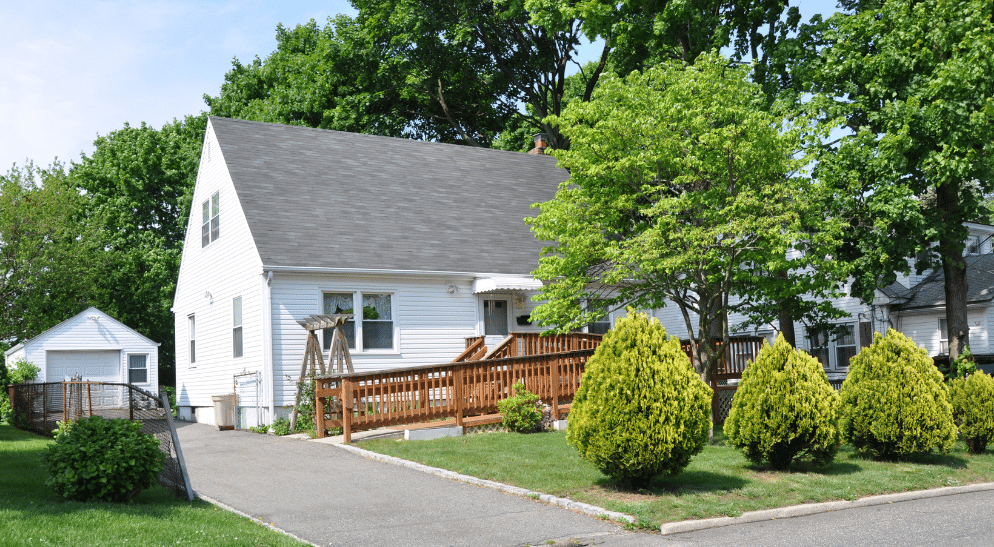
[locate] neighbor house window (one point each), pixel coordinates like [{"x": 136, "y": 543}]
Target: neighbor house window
[
  {"x": 377, "y": 321},
  {"x": 236, "y": 322},
  {"x": 972, "y": 246},
  {"x": 193, "y": 338},
  {"x": 339, "y": 302},
  {"x": 210, "y": 228},
  {"x": 943, "y": 337},
  {"x": 834, "y": 347},
  {"x": 138, "y": 369}
]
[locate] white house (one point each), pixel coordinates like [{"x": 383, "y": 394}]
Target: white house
[
  {"x": 423, "y": 242},
  {"x": 96, "y": 347}
]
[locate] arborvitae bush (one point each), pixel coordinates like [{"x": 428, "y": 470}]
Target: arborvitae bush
[
  {"x": 973, "y": 409},
  {"x": 894, "y": 402},
  {"x": 109, "y": 460},
  {"x": 641, "y": 410},
  {"x": 784, "y": 408}
]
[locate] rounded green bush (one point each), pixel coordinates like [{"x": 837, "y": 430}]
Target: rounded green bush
[
  {"x": 641, "y": 410},
  {"x": 109, "y": 460},
  {"x": 894, "y": 402},
  {"x": 522, "y": 412},
  {"x": 973, "y": 409},
  {"x": 784, "y": 408}
]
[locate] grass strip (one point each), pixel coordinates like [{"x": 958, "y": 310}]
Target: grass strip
[
  {"x": 718, "y": 482},
  {"x": 31, "y": 514}
]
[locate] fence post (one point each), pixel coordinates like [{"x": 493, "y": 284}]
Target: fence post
[
  {"x": 131, "y": 403},
  {"x": 347, "y": 410},
  {"x": 89, "y": 400},
  {"x": 44, "y": 406},
  {"x": 319, "y": 408},
  {"x": 457, "y": 388},
  {"x": 65, "y": 409}
]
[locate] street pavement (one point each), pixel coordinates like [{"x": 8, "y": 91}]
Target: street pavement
[{"x": 329, "y": 496}]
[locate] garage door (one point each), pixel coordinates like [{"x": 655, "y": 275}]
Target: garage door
[{"x": 95, "y": 366}]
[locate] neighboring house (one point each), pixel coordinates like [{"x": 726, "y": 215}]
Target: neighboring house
[
  {"x": 914, "y": 305},
  {"x": 423, "y": 242},
  {"x": 94, "y": 346}
]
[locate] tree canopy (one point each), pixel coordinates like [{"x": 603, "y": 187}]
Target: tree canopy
[
  {"x": 911, "y": 79},
  {"x": 683, "y": 188}
]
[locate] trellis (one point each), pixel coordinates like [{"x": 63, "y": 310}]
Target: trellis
[{"x": 313, "y": 363}]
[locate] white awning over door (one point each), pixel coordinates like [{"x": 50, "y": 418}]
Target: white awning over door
[{"x": 505, "y": 283}]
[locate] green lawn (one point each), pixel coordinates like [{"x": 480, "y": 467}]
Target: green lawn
[
  {"x": 31, "y": 514},
  {"x": 718, "y": 482}
]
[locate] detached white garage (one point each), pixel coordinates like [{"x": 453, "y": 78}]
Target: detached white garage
[{"x": 96, "y": 347}]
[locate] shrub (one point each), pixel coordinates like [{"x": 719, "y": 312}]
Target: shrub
[
  {"x": 894, "y": 402},
  {"x": 522, "y": 412},
  {"x": 641, "y": 410},
  {"x": 973, "y": 410},
  {"x": 281, "y": 427},
  {"x": 109, "y": 460},
  {"x": 23, "y": 371},
  {"x": 784, "y": 408}
]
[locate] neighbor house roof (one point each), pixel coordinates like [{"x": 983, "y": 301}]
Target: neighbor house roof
[
  {"x": 930, "y": 292},
  {"x": 316, "y": 198}
]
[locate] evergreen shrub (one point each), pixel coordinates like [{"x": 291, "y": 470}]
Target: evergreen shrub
[
  {"x": 641, "y": 410},
  {"x": 98, "y": 459},
  {"x": 522, "y": 412},
  {"x": 784, "y": 408},
  {"x": 973, "y": 409},
  {"x": 894, "y": 401}
]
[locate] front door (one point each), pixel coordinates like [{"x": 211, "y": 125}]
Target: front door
[{"x": 495, "y": 321}]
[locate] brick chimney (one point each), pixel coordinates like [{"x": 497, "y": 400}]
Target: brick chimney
[{"x": 541, "y": 143}]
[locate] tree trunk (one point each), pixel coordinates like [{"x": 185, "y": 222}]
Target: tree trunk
[
  {"x": 954, "y": 269},
  {"x": 787, "y": 328}
]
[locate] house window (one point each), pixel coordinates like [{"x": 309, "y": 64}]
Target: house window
[
  {"x": 210, "y": 228},
  {"x": 193, "y": 338},
  {"x": 336, "y": 302},
  {"x": 943, "y": 337},
  {"x": 377, "y": 321},
  {"x": 972, "y": 246},
  {"x": 495, "y": 318},
  {"x": 372, "y": 327},
  {"x": 832, "y": 349},
  {"x": 236, "y": 331},
  {"x": 602, "y": 325},
  {"x": 138, "y": 369}
]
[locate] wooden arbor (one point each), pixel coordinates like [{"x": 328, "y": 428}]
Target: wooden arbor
[{"x": 313, "y": 364}]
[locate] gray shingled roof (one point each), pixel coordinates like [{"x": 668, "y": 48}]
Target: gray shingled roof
[
  {"x": 931, "y": 291},
  {"x": 328, "y": 199}
]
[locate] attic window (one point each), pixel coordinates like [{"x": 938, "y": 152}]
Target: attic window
[{"x": 210, "y": 229}]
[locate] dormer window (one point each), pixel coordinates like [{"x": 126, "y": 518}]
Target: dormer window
[{"x": 210, "y": 229}]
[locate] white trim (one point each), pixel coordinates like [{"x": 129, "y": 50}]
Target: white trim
[{"x": 369, "y": 271}]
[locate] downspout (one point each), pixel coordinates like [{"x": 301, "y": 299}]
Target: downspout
[{"x": 267, "y": 343}]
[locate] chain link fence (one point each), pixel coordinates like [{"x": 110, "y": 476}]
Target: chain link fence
[{"x": 39, "y": 408}]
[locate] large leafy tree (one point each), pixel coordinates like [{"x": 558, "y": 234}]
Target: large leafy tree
[
  {"x": 912, "y": 81},
  {"x": 682, "y": 190},
  {"x": 139, "y": 182},
  {"x": 50, "y": 257}
]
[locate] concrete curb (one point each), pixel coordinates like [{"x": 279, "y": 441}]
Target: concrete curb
[
  {"x": 260, "y": 522},
  {"x": 585, "y": 508},
  {"x": 816, "y": 508}
]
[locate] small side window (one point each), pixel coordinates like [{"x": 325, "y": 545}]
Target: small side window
[
  {"x": 138, "y": 369},
  {"x": 236, "y": 332}
]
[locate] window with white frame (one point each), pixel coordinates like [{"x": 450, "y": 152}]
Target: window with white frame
[
  {"x": 943, "y": 337},
  {"x": 339, "y": 302},
  {"x": 972, "y": 246},
  {"x": 373, "y": 326},
  {"x": 211, "y": 225},
  {"x": 192, "y": 321},
  {"x": 603, "y": 324},
  {"x": 138, "y": 369},
  {"x": 834, "y": 349},
  {"x": 236, "y": 327}
]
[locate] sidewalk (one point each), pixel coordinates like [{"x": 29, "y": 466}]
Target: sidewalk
[{"x": 329, "y": 496}]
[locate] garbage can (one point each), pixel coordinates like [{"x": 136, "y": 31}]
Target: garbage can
[{"x": 224, "y": 410}]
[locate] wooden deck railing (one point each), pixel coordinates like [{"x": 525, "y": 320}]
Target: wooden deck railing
[{"x": 361, "y": 401}]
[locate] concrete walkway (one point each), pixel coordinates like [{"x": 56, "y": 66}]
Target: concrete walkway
[{"x": 329, "y": 496}]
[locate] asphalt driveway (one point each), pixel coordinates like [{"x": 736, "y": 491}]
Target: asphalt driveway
[{"x": 329, "y": 496}]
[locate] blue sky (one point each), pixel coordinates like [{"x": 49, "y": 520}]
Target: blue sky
[{"x": 75, "y": 70}]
